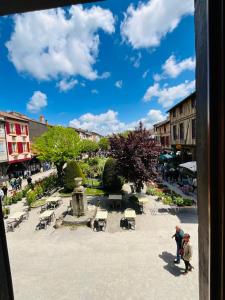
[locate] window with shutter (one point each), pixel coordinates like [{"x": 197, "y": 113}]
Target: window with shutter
[
  {"x": 10, "y": 148},
  {"x": 18, "y": 129},
  {"x": 20, "y": 147},
  {"x": 7, "y": 127}
]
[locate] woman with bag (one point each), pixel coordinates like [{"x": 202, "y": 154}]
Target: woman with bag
[{"x": 186, "y": 253}]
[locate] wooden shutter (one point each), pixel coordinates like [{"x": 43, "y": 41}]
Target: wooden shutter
[
  {"x": 26, "y": 130},
  {"x": 28, "y": 147},
  {"x": 18, "y": 129},
  {"x": 20, "y": 147},
  {"x": 10, "y": 148},
  {"x": 7, "y": 127}
]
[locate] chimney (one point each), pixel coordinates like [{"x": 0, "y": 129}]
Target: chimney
[{"x": 42, "y": 119}]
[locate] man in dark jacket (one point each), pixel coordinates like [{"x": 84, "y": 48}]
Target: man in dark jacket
[{"x": 178, "y": 235}]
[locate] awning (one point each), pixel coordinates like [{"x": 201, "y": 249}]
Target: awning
[{"x": 191, "y": 166}]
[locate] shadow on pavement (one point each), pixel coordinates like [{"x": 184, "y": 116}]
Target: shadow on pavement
[
  {"x": 190, "y": 217},
  {"x": 170, "y": 267}
]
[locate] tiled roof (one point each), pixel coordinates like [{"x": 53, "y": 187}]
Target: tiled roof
[
  {"x": 11, "y": 116},
  {"x": 185, "y": 99}
]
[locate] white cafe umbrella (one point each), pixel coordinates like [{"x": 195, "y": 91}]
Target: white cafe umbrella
[{"x": 191, "y": 165}]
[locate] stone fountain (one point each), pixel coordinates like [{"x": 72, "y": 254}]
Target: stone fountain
[
  {"x": 79, "y": 214},
  {"x": 79, "y": 200}
]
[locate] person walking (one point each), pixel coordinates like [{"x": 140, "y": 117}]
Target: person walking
[
  {"x": 5, "y": 189},
  {"x": 194, "y": 185},
  {"x": 20, "y": 180},
  {"x": 29, "y": 180},
  {"x": 178, "y": 235},
  {"x": 187, "y": 253}
]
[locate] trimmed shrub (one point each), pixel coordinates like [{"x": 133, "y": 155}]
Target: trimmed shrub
[
  {"x": 167, "y": 200},
  {"x": 31, "y": 197},
  {"x": 151, "y": 191},
  {"x": 188, "y": 202},
  {"x": 179, "y": 201},
  {"x": 39, "y": 191},
  {"x": 17, "y": 197},
  {"x": 25, "y": 190},
  {"x": 7, "y": 200},
  {"x": 71, "y": 171},
  {"x": 6, "y": 211},
  {"x": 112, "y": 182}
]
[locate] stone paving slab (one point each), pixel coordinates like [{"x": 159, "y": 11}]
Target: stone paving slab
[{"x": 81, "y": 264}]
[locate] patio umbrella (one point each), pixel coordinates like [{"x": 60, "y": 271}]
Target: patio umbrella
[{"x": 191, "y": 166}]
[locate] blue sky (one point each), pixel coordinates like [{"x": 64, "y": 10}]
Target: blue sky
[{"x": 101, "y": 67}]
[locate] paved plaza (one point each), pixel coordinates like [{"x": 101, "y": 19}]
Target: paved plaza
[{"x": 77, "y": 263}]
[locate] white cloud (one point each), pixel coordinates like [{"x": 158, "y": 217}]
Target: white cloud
[
  {"x": 145, "y": 25},
  {"x": 55, "y": 43},
  {"x": 119, "y": 84},
  {"x": 37, "y": 102},
  {"x": 157, "y": 77},
  {"x": 65, "y": 85},
  {"x": 108, "y": 122},
  {"x": 173, "y": 68},
  {"x": 94, "y": 91},
  {"x": 145, "y": 74},
  {"x": 136, "y": 60},
  {"x": 166, "y": 96},
  {"x": 105, "y": 75}
]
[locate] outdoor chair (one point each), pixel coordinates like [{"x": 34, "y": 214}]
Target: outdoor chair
[
  {"x": 43, "y": 208},
  {"x": 10, "y": 225},
  {"x": 26, "y": 215},
  {"x": 42, "y": 224},
  {"x": 99, "y": 225}
]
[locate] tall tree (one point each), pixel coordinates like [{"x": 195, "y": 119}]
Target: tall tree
[
  {"x": 104, "y": 143},
  {"x": 88, "y": 146},
  {"x": 58, "y": 145},
  {"x": 136, "y": 155}
]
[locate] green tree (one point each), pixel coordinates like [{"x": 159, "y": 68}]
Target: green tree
[
  {"x": 112, "y": 182},
  {"x": 58, "y": 145},
  {"x": 104, "y": 143},
  {"x": 71, "y": 171},
  {"x": 136, "y": 155},
  {"x": 88, "y": 146}
]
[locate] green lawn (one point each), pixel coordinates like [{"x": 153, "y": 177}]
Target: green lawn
[
  {"x": 94, "y": 192},
  {"x": 94, "y": 182}
]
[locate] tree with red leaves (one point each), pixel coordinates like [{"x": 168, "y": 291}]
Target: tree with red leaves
[{"x": 136, "y": 154}]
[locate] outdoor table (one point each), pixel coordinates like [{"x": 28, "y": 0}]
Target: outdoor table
[
  {"x": 15, "y": 219},
  {"x": 52, "y": 202},
  {"x": 116, "y": 200},
  {"x": 48, "y": 214},
  {"x": 130, "y": 214},
  {"x": 18, "y": 216},
  {"x": 101, "y": 214},
  {"x": 142, "y": 200}
]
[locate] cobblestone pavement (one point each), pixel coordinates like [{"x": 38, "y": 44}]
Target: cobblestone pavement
[{"x": 77, "y": 263}]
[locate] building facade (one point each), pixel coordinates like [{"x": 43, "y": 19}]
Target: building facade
[
  {"x": 17, "y": 141},
  {"x": 3, "y": 149},
  {"x": 183, "y": 126},
  {"x": 162, "y": 134},
  {"x": 88, "y": 135}
]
